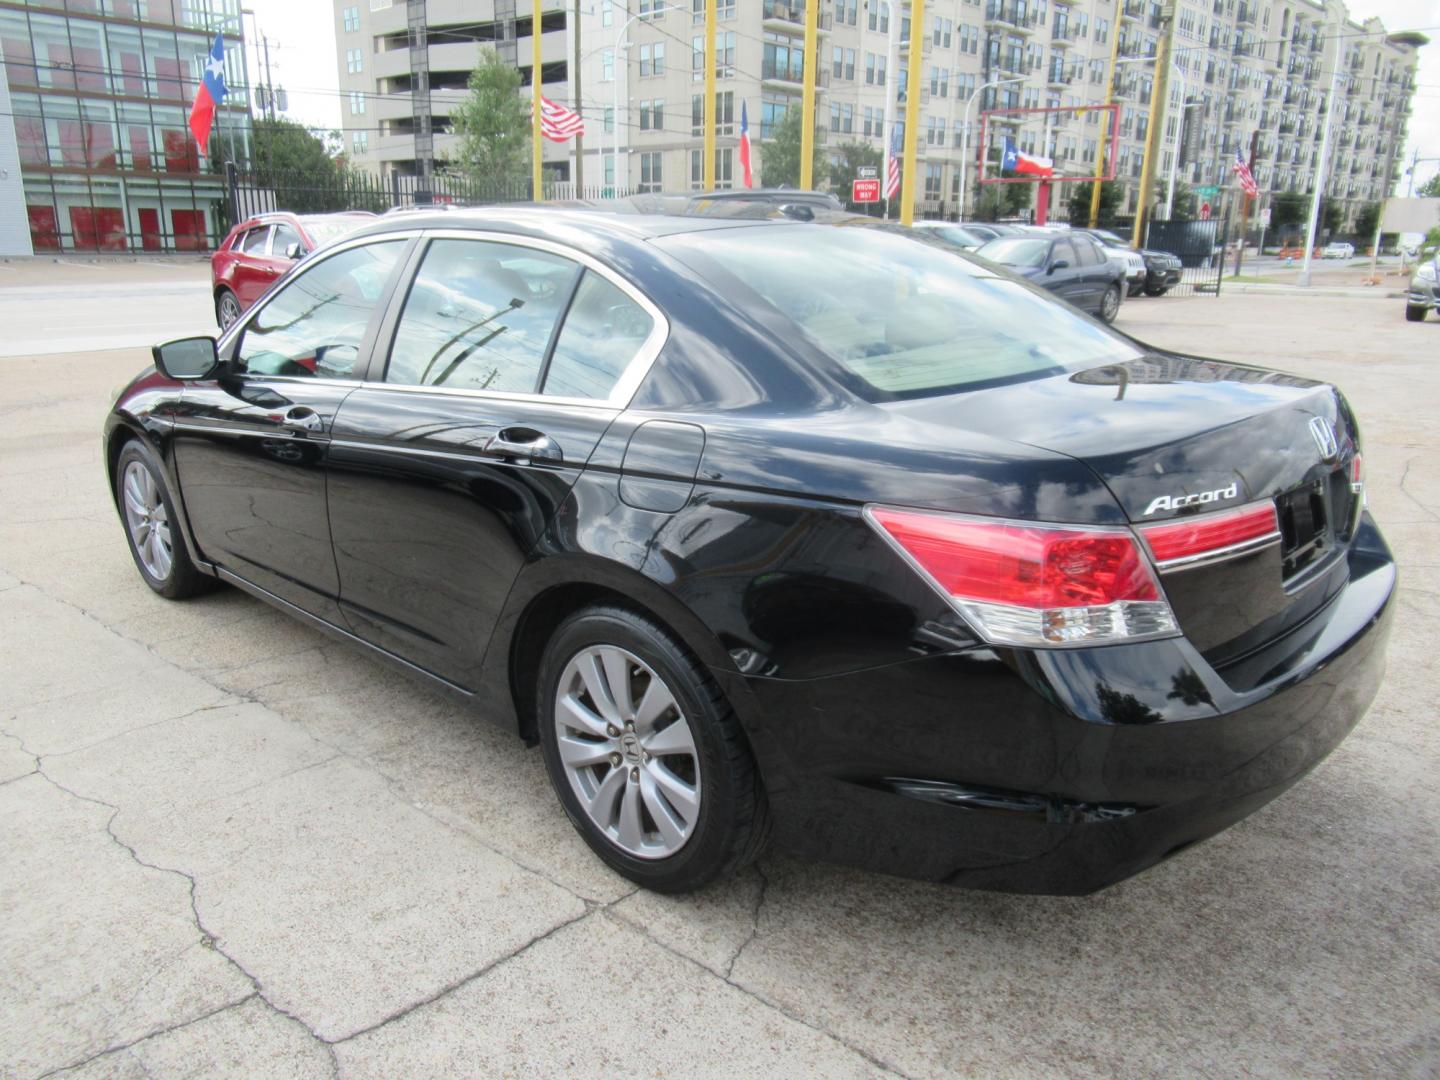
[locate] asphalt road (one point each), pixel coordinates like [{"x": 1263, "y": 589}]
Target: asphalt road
[{"x": 231, "y": 847}]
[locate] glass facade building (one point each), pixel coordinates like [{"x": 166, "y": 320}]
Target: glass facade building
[{"x": 101, "y": 93}]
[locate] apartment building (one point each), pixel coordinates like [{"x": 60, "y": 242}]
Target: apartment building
[
  {"x": 1239, "y": 67},
  {"x": 99, "y": 95}
]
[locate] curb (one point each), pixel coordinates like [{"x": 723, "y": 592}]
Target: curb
[{"x": 1373, "y": 293}]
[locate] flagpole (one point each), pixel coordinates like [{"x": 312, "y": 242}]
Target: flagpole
[
  {"x": 912, "y": 113},
  {"x": 538, "y": 194},
  {"x": 890, "y": 78}
]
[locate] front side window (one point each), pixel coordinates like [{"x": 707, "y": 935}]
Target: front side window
[
  {"x": 898, "y": 319},
  {"x": 315, "y": 324},
  {"x": 480, "y": 316},
  {"x": 284, "y": 237}
]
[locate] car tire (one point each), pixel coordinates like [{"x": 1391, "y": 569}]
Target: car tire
[
  {"x": 1134, "y": 290},
  {"x": 1415, "y": 314},
  {"x": 1110, "y": 304},
  {"x": 227, "y": 309},
  {"x": 1156, "y": 290},
  {"x": 152, "y": 528},
  {"x": 671, "y": 821}
]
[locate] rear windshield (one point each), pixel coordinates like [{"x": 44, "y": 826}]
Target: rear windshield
[
  {"x": 323, "y": 230},
  {"x": 898, "y": 319}
]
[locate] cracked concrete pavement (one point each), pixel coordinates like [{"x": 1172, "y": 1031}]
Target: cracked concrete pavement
[{"x": 233, "y": 847}]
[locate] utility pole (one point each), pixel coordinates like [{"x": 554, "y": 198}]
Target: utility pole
[
  {"x": 1153, "y": 137},
  {"x": 1109, "y": 100},
  {"x": 575, "y": 82},
  {"x": 712, "y": 16},
  {"x": 811, "y": 74},
  {"x": 912, "y": 110},
  {"x": 1304, "y": 278},
  {"x": 1245, "y": 206},
  {"x": 269, "y": 85}
]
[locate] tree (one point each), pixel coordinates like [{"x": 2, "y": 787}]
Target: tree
[
  {"x": 1366, "y": 219},
  {"x": 851, "y": 156},
  {"x": 780, "y": 158},
  {"x": 1431, "y": 188},
  {"x": 1289, "y": 209},
  {"x": 1332, "y": 215},
  {"x": 1111, "y": 195},
  {"x": 1185, "y": 203},
  {"x": 303, "y": 169},
  {"x": 493, "y": 123},
  {"x": 1003, "y": 200}
]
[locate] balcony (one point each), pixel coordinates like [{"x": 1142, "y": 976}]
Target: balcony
[
  {"x": 786, "y": 16},
  {"x": 1016, "y": 15},
  {"x": 1245, "y": 15}
]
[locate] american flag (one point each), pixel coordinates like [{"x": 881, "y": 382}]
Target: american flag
[
  {"x": 559, "y": 124},
  {"x": 892, "y": 168},
  {"x": 1242, "y": 173}
]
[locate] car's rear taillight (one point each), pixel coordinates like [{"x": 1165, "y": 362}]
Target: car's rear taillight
[
  {"x": 1192, "y": 540},
  {"x": 1022, "y": 584}
]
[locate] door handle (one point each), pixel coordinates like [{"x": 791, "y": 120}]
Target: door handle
[
  {"x": 301, "y": 418},
  {"x": 523, "y": 445}
]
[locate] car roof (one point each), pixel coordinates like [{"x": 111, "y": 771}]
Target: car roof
[{"x": 541, "y": 219}]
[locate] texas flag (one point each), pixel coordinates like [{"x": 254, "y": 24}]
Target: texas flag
[
  {"x": 211, "y": 93},
  {"x": 745, "y": 147},
  {"x": 1017, "y": 161}
]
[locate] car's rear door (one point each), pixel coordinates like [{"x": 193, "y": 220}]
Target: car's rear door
[
  {"x": 507, "y": 360},
  {"x": 251, "y": 444},
  {"x": 1096, "y": 272},
  {"x": 252, "y": 276}
]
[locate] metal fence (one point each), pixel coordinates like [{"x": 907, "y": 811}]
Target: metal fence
[
  {"x": 253, "y": 192},
  {"x": 1200, "y": 247}
]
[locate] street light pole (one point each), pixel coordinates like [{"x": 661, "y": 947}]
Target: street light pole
[
  {"x": 1179, "y": 142},
  {"x": 965, "y": 135},
  {"x": 1304, "y": 278},
  {"x": 615, "y": 116}
]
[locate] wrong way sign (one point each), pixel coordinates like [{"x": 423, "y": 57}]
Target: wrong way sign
[{"x": 865, "y": 191}]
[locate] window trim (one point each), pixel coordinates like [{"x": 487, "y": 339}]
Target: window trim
[
  {"x": 229, "y": 340},
  {"x": 625, "y": 386}
]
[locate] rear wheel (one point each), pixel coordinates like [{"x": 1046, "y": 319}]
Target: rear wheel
[
  {"x": 1415, "y": 314},
  {"x": 152, "y": 530},
  {"x": 1110, "y": 304},
  {"x": 645, "y": 755},
  {"x": 1156, "y": 290},
  {"x": 227, "y": 308}
]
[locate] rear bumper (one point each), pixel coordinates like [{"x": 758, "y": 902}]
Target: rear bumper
[{"x": 1066, "y": 771}]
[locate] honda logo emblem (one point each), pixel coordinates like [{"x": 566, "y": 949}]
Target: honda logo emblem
[{"x": 1324, "y": 436}]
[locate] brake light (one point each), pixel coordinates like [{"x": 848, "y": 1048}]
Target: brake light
[
  {"x": 1207, "y": 536},
  {"x": 1021, "y": 584}
]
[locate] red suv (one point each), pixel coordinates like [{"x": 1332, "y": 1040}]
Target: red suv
[{"x": 260, "y": 250}]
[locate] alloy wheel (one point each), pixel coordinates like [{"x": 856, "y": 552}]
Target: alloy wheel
[
  {"x": 1111, "y": 303},
  {"x": 229, "y": 310},
  {"x": 628, "y": 751},
  {"x": 148, "y": 521}
]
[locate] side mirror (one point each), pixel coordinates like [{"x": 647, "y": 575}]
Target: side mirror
[
  {"x": 1059, "y": 264},
  {"x": 187, "y": 358},
  {"x": 292, "y": 250}
]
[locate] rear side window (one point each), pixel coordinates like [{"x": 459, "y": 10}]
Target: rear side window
[
  {"x": 480, "y": 316},
  {"x": 1087, "y": 251},
  {"x": 254, "y": 243},
  {"x": 893, "y": 318},
  {"x": 604, "y": 330},
  {"x": 284, "y": 237}
]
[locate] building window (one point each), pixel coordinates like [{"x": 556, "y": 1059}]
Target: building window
[
  {"x": 933, "y": 175},
  {"x": 360, "y": 141},
  {"x": 724, "y": 167},
  {"x": 653, "y": 9},
  {"x": 609, "y": 119},
  {"x": 610, "y": 170},
  {"x": 724, "y": 56},
  {"x": 652, "y": 115},
  {"x": 607, "y": 65},
  {"x": 652, "y": 59},
  {"x": 782, "y": 58},
  {"x": 879, "y": 16},
  {"x": 357, "y": 103},
  {"x": 650, "y": 172},
  {"x": 354, "y": 61},
  {"x": 607, "y": 13},
  {"x": 352, "y": 19}
]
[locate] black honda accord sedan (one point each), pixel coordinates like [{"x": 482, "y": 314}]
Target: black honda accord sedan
[{"x": 773, "y": 530}]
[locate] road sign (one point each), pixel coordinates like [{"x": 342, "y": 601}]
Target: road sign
[
  {"x": 865, "y": 191},
  {"x": 867, "y": 172},
  {"x": 1265, "y": 218},
  {"x": 1205, "y": 211},
  {"x": 1206, "y": 192}
]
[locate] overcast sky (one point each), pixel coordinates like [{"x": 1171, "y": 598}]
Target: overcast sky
[{"x": 302, "y": 59}]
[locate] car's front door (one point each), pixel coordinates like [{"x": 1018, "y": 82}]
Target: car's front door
[
  {"x": 1064, "y": 276},
  {"x": 250, "y": 444},
  {"x": 510, "y": 358}
]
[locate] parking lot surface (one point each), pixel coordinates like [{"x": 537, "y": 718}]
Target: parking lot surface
[{"x": 234, "y": 847}]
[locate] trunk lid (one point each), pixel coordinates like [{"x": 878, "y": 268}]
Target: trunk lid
[{"x": 1174, "y": 436}]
